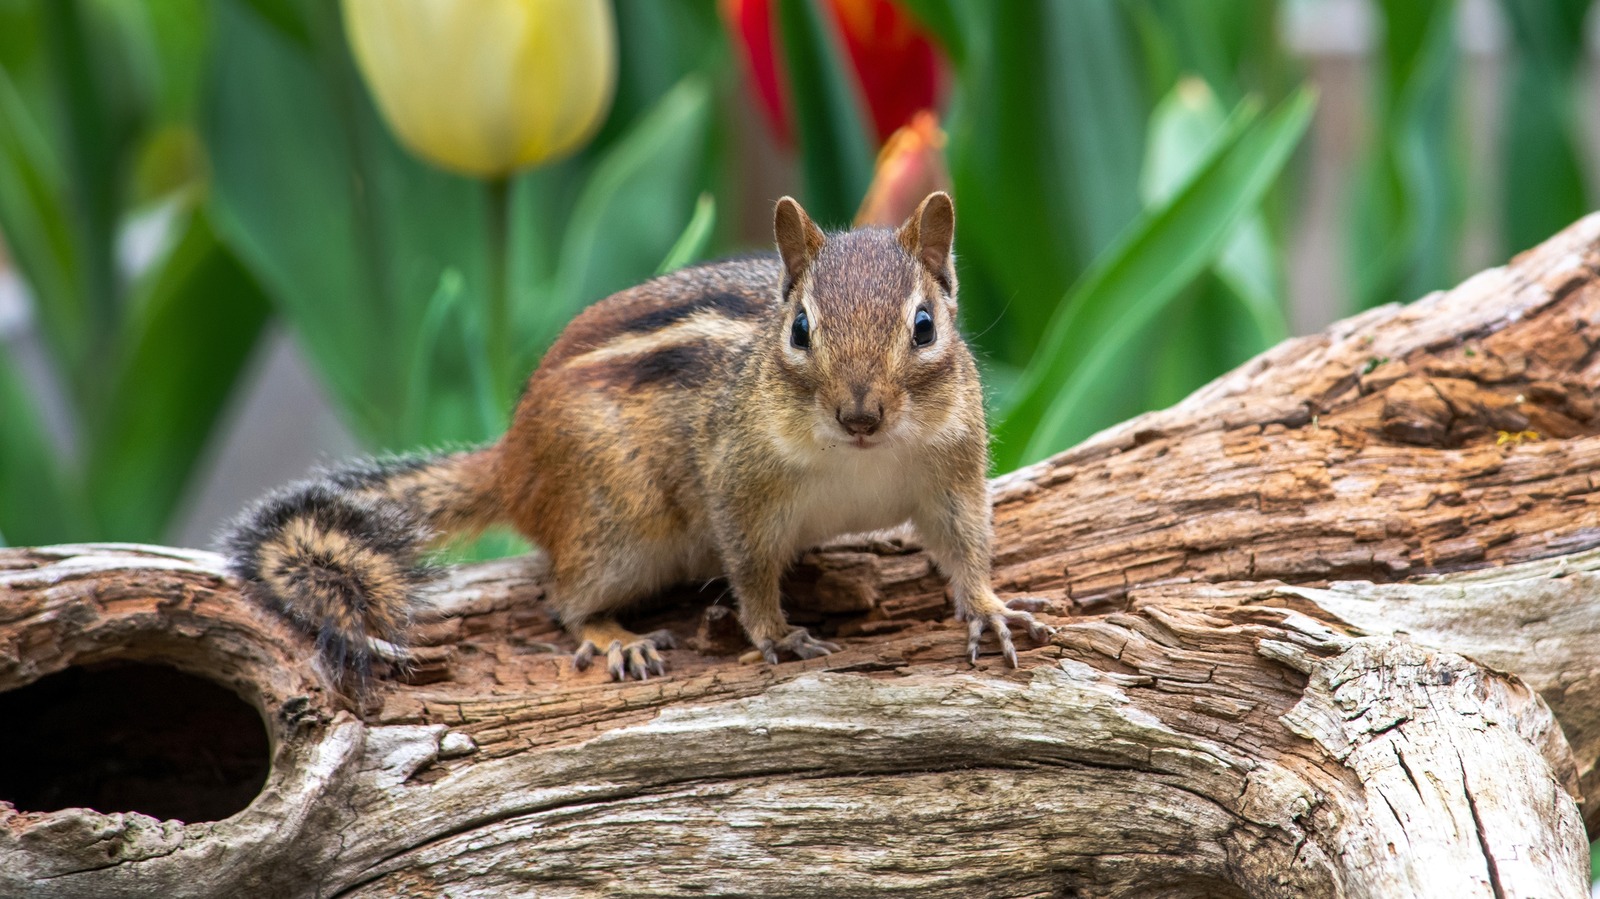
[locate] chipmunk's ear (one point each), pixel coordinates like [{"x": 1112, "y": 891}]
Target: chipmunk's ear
[
  {"x": 929, "y": 234},
  {"x": 799, "y": 241}
]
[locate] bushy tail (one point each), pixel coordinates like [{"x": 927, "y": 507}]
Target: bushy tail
[{"x": 342, "y": 553}]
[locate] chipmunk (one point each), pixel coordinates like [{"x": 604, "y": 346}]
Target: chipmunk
[{"x": 716, "y": 420}]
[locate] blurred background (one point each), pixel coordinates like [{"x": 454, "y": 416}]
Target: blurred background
[{"x": 239, "y": 238}]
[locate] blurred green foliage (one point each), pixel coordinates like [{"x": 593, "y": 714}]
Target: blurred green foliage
[
  {"x": 386, "y": 267},
  {"x": 1078, "y": 372},
  {"x": 97, "y": 102},
  {"x": 1122, "y": 173},
  {"x": 1405, "y": 220}
]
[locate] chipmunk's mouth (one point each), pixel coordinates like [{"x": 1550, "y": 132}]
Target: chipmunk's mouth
[{"x": 863, "y": 443}]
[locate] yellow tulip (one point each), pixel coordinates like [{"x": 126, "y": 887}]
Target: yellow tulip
[{"x": 486, "y": 87}]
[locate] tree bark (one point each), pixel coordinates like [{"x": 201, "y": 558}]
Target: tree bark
[{"x": 1322, "y": 632}]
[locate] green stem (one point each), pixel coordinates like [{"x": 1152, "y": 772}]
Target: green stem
[
  {"x": 92, "y": 178},
  {"x": 497, "y": 340}
]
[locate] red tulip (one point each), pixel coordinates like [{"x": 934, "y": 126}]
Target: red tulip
[
  {"x": 896, "y": 65},
  {"x": 899, "y": 70}
]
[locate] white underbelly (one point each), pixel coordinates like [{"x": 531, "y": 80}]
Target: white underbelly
[{"x": 852, "y": 490}]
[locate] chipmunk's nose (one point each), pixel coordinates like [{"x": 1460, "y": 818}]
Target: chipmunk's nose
[{"x": 861, "y": 421}]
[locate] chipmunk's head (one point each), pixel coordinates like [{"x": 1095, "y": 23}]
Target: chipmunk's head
[{"x": 866, "y": 349}]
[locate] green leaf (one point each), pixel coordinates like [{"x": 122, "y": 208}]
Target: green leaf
[
  {"x": 165, "y": 45},
  {"x": 1544, "y": 187},
  {"x": 1232, "y": 44},
  {"x": 1104, "y": 128},
  {"x": 631, "y": 210},
  {"x": 286, "y": 203},
  {"x": 1226, "y": 316},
  {"x": 353, "y": 237},
  {"x": 947, "y": 21},
  {"x": 443, "y": 309},
  {"x": 1046, "y": 179},
  {"x": 190, "y": 332},
  {"x": 658, "y": 45},
  {"x": 835, "y": 152},
  {"x": 35, "y": 218},
  {"x": 1081, "y": 355},
  {"x": 21, "y": 33},
  {"x": 1186, "y": 346},
  {"x": 448, "y": 315},
  {"x": 287, "y": 17},
  {"x": 691, "y": 245},
  {"x": 1251, "y": 267},
  {"x": 348, "y": 233},
  {"x": 1404, "y": 224},
  {"x": 38, "y": 504},
  {"x": 91, "y": 146},
  {"x": 1182, "y": 126}
]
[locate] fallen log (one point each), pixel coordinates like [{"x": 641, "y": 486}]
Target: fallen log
[{"x": 1321, "y": 631}]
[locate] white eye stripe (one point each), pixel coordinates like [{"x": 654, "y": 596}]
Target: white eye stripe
[{"x": 914, "y": 300}]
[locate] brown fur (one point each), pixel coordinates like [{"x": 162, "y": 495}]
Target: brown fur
[
  {"x": 674, "y": 432},
  {"x": 639, "y": 457}
]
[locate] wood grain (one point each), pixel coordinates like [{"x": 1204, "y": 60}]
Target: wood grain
[{"x": 1322, "y": 633}]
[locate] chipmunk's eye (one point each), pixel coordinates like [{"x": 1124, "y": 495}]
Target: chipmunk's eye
[
  {"x": 922, "y": 328},
  {"x": 800, "y": 334}
]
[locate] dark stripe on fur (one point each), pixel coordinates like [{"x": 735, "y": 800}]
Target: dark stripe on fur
[
  {"x": 682, "y": 365},
  {"x": 730, "y": 305}
]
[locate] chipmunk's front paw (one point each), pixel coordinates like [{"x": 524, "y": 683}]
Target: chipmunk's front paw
[
  {"x": 637, "y": 658},
  {"x": 799, "y": 642},
  {"x": 999, "y": 617}
]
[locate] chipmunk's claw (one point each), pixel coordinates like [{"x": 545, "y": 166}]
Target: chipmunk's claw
[
  {"x": 396, "y": 655},
  {"x": 1000, "y": 618},
  {"x": 637, "y": 658},
  {"x": 798, "y": 642}
]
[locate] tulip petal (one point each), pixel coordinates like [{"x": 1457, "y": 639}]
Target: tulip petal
[{"x": 491, "y": 86}]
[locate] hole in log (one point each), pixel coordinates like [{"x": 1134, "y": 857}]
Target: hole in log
[{"x": 131, "y": 737}]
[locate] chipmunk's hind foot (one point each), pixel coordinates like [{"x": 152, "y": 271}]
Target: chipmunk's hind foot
[{"x": 628, "y": 655}]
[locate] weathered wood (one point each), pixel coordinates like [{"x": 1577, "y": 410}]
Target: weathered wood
[
  {"x": 1243, "y": 699},
  {"x": 1211, "y": 742}
]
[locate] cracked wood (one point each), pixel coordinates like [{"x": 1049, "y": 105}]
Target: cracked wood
[{"x": 1315, "y": 620}]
